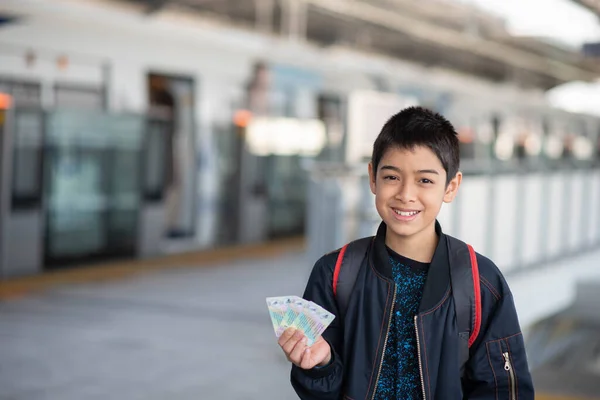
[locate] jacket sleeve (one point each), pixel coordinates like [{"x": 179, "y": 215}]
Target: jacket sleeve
[
  {"x": 322, "y": 383},
  {"x": 497, "y": 367}
]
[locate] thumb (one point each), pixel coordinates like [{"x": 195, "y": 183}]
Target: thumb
[{"x": 307, "y": 361}]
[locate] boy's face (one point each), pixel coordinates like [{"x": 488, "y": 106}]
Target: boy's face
[{"x": 409, "y": 188}]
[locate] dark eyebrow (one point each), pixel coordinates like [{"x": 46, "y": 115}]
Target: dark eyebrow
[
  {"x": 428, "y": 171},
  {"x": 421, "y": 171},
  {"x": 390, "y": 167}
]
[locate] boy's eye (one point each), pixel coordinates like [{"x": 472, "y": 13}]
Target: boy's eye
[
  {"x": 425, "y": 180},
  {"x": 390, "y": 177}
]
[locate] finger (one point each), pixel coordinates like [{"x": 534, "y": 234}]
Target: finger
[
  {"x": 286, "y": 335},
  {"x": 296, "y": 354},
  {"x": 288, "y": 347},
  {"x": 306, "y": 362},
  {"x": 291, "y": 344}
]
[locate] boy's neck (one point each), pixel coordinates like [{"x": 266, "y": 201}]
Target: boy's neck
[{"x": 419, "y": 247}]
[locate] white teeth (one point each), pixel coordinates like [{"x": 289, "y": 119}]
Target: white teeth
[{"x": 406, "y": 213}]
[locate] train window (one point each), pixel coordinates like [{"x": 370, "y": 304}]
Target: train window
[
  {"x": 496, "y": 122},
  {"x": 467, "y": 143},
  {"x": 330, "y": 112},
  {"x": 598, "y": 145},
  {"x": 27, "y": 159},
  {"x": 545, "y": 127},
  {"x": 504, "y": 147},
  {"x": 156, "y": 158},
  {"x": 79, "y": 97},
  {"x": 554, "y": 147},
  {"x": 533, "y": 145},
  {"x": 24, "y": 93},
  {"x": 582, "y": 148}
]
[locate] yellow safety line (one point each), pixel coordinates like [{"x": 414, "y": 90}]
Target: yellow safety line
[{"x": 17, "y": 287}]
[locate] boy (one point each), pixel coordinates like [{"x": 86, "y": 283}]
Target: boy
[{"x": 398, "y": 338}]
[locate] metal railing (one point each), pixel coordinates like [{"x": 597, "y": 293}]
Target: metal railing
[{"x": 519, "y": 216}]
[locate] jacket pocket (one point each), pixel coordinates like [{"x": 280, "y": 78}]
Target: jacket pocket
[{"x": 504, "y": 357}]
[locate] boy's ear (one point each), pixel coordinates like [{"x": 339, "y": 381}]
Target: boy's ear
[
  {"x": 371, "y": 178},
  {"x": 452, "y": 188}
]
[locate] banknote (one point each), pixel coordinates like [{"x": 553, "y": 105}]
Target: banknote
[
  {"x": 294, "y": 308},
  {"x": 277, "y": 310},
  {"x": 295, "y": 312}
]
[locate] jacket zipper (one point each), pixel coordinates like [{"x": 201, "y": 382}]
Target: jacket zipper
[
  {"x": 385, "y": 343},
  {"x": 419, "y": 354},
  {"x": 511, "y": 376}
]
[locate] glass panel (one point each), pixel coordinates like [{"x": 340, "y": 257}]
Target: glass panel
[
  {"x": 28, "y": 139},
  {"x": 227, "y": 166},
  {"x": 155, "y": 170},
  {"x": 124, "y": 182},
  {"x": 330, "y": 111},
  {"x": 92, "y": 176},
  {"x": 287, "y": 185}
]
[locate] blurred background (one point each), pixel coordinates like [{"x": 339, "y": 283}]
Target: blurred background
[{"x": 165, "y": 165}]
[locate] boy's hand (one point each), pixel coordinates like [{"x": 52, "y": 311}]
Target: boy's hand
[{"x": 293, "y": 343}]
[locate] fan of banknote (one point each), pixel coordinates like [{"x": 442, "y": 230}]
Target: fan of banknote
[{"x": 295, "y": 312}]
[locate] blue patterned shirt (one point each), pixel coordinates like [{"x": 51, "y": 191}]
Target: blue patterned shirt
[{"x": 400, "y": 377}]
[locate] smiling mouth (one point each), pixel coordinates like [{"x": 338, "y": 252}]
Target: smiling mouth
[{"x": 406, "y": 213}]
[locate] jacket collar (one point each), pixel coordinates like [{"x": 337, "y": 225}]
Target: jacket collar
[{"x": 438, "y": 277}]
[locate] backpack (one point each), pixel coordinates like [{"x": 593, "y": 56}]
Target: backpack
[{"x": 464, "y": 278}]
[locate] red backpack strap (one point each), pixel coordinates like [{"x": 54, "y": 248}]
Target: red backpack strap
[
  {"x": 477, "y": 293},
  {"x": 338, "y": 267},
  {"x": 466, "y": 292},
  {"x": 347, "y": 267}
]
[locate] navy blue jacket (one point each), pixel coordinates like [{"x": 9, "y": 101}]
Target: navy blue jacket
[{"x": 497, "y": 366}]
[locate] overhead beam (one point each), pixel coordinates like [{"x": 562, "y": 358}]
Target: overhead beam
[
  {"x": 154, "y": 6},
  {"x": 294, "y": 19},
  {"x": 592, "y": 5},
  {"x": 264, "y": 10},
  {"x": 426, "y": 32}
]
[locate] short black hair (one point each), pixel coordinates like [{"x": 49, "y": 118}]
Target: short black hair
[{"x": 418, "y": 126}]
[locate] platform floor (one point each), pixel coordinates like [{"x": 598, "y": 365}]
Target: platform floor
[{"x": 171, "y": 333}]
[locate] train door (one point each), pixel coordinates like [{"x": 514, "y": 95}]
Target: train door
[
  {"x": 175, "y": 96},
  {"x": 22, "y": 189}
]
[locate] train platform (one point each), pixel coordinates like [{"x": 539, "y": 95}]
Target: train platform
[{"x": 191, "y": 326}]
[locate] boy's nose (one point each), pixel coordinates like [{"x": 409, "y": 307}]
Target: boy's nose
[{"x": 406, "y": 194}]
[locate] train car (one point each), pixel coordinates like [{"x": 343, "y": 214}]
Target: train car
[{"x": 210, "y": 93}]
